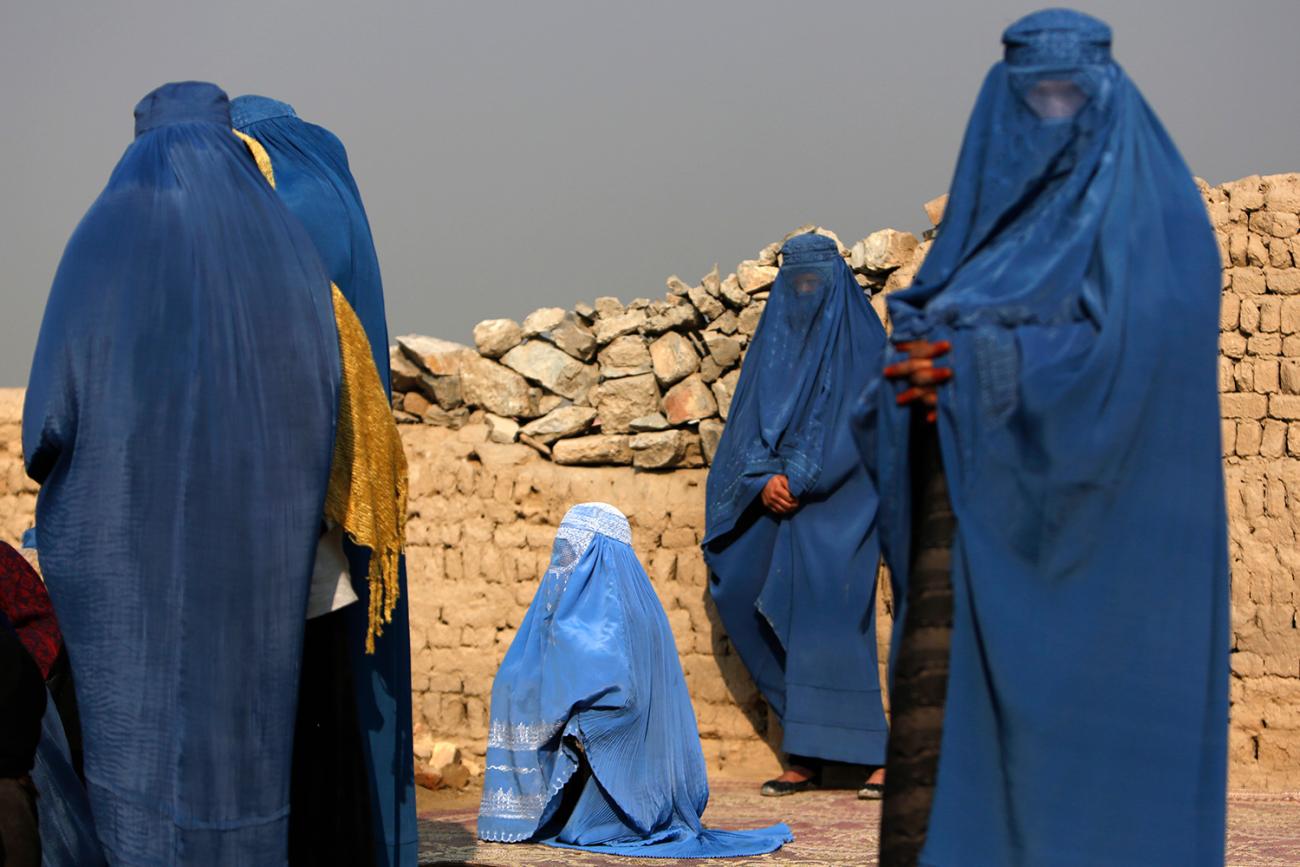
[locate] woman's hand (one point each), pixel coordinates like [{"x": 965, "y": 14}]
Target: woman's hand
[
  {"x": 921, "y": 374},
  {"x": 776, "y": 496}
]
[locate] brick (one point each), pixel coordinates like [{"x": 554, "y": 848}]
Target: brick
[
  {"x": 1284, "y": 406},
  {"x": 1279, "y": 253},
  {"x": 1243, "y": 405},
  {"x": 1293, "y": 439},
  {"x": 1264, "y": 344},
  {"x": 1273, "y": 442},
  {"x": 1248, "y": 281},
  {"x": 1276, "y": 224},
  {"x": 1246, "y": 193},
  {"x": 1256, "y": 251},
  {"x": 1248, "y": 319},
  {"x": 1243, "y": 375},
  {"x": 1279, "y": 281},
  {"x": 1289, "y": 315},
  {"x": 1237, "y": 247},
  {"x": 1270, "y": 312},
  {"x": 1232, "y": 344},
  {"x": 1266, "y": 375},
  {"x": 1289, "y": 376},
  {"x": 1229, "y": 312},
  {"x": 1226, "y": 379},
  {"x": 1249, "y": 436}
]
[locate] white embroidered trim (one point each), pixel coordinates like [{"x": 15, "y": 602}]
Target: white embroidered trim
[
  {"x": 560, "y": 781},
  {"x": 599, "y": 518},
  {"x": 512, "y": 770},
  {"x": 504, "y": 804},
  {"x": 521, "y": 736}
]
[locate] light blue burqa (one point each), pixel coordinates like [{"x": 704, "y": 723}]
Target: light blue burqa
[{"x": 592, "y": 681}]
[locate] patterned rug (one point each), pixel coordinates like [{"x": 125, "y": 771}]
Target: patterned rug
[{"x": 830, "y": 828}]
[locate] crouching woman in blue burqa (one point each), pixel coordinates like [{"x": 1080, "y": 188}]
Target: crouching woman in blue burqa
[
  {"x": 194, "y": 412},
  {"x": 308, "y": 167},
  {"x": 791, "y": 518},
  {"x": 1054, "y": 501},
  {"x": 593, "y": 743}
]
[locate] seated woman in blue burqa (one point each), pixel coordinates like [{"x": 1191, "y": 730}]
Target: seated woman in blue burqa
[{"x": 593, "y": 743}]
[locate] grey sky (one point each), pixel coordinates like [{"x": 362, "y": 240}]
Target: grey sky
[{"x": 519, "y": 155}]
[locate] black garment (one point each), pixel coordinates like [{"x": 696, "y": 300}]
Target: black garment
[
  {"x": 921, "y": 670},
  {"x": 64, "y": 695},
  {"x": 22, "y": 705},
  {"x": 329, "y": 796}
]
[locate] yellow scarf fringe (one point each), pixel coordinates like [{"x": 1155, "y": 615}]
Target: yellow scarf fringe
[{"x": 368, "y": 485}]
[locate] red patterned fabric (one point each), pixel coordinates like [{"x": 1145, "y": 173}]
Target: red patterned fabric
[{"x": 27, "y": 605}]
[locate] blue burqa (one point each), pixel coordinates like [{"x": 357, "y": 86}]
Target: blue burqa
[
  {"x": 593, "y": 743},
  {"x": 67, "y": 829},
  {"x": 797, "y": 593},
  {"x": 180, "y": 421},
  {"x": 313, "y": 179},
  {"x": 1076, "y": 275}
]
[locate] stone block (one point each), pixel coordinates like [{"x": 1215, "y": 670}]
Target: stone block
[
  {"x": 658, "y": 450},
  {"x": 885, "y": 250},
  {"x": 723, "y": 391},
  {"x": 689, "y": 401},
  {"x": 608, "y": 328},
  {"x": 754, "y": 276},
  {"x": 625, "y": 356},
  {"x": 934, "y": 209},
  {"x": 673, "y": 358},
  {"x": 495, "y": 337},
  {"x": 593, "y": 450},
  {"x": 552, "y": 368},
  {"x": 619, "y": 401},
  {"x": 566, "y": 421},
  {"x": 710, "y": 307}
]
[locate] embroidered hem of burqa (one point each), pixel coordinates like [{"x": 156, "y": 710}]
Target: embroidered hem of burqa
[
  {"x": 592, "y": 742},
  {"x": 1077, "y": 277},
  {"x": 180, "y": 419},
  {"x": 797, "y": 593},
  {"x": 315, "y": 181}
]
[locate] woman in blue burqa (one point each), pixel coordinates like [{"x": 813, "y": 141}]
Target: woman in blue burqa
[
  {"x": 592, "y": 742},
  {"x": 192, "y": 417},
  {"x": 791, "y": 519},
  {"x": 1050, "y": 467},
  {"x": 371, "y": 778}
]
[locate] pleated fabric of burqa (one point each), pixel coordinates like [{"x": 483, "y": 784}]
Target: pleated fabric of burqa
[{"x": 592, "y": 741}]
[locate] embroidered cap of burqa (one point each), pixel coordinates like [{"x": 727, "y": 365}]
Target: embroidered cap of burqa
[
  {"x": 1076, "y": 275},
  {"x": 592, "y": 742},
  {"x": 180, "y": 421},
  {"x": 796, "y": 593},
  {"x": 313, "y": 179}
]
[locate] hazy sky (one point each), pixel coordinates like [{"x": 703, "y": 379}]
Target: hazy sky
[{"x": 520, "y": 155}]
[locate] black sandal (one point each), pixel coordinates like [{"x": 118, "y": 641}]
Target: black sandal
[
  {"x": 871, "y": 792},
  {"x": 781, "y": 788}
]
